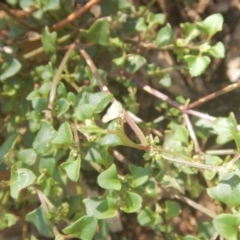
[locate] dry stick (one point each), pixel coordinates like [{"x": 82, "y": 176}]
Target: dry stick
[
  {"x": 214, "y": 95},
  {"x": 57, "y": 76},
  {"x": 192, "y": 133},
  {"x": 195, "y": 205},
  {"x": 182, "y": 108},
  {"x": 74, "y": 15},
  {"x": 104, "y": 88}
]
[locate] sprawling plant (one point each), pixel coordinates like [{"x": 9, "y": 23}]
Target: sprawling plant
[{"x": 69, "y": 98}]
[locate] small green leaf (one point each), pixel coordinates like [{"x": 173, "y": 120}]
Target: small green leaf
[
  {"x": 90, "y": 205},
  {"x": 134, "y": 63},
  {"x": 42, "y": 141},
  {"x": 181, "y": 134},
  {"x": 166, "y": 81},
  {"x": 227, "y": 225},
  {"x": 190, "y": 30},
  {"x": 147, "y": 217},
  {"x": 84, "y": 228},
  {"x": 98, "y": 33},
  {"x": 7, "y": 220},
  {"x": 49, "y": 40},
  {"x": 227, "y": 191},
  {"x": 84, "y": 111},
  {"x": 109, "y": 179},
  {"x": 20, "y": 178},
  {"x": 64, "y": 135},
  {"x": 72, "y": 168},
  {"x": 224, "y": 128},
  {"x": 27, "y": 156},
  {"x": 131, "y": 202},
  {"x": 141, "y": 25},
  {"x": 212, "y": 24},
  {"x": 154, "y": 19},
  {"x": 197, "y": 65},
  {"x": 173, "y": 209},
  {"x": 40, "y": 221},
  {"x": 106, "y": 209},
  {"x": 100, "y": 100},
  {"x": 10, "y": 68},
  {"x": 218, "y": 50},
  {"x": 62, "y": 106},
  {"x": 7, "y": 146},
  {"x": 139, "y": 175},
  {"x": 164, "y": 36},
  {"x": 110, "y": 140}
]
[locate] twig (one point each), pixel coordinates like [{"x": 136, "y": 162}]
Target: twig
[
  {"x": 57, "y": 77},
  {"x": 74, "y": 15},
  {"x": 214, "y": 95},
  {"x": 195, "y": 205},
  {"x": 192, "y": 133}
]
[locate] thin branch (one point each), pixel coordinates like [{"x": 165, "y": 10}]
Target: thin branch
[
  {"x": 195, "y": 205},
  {"x": 56, "y": 78},
  {"x": 74, "y": 15},
  {"x": 214, "y": 95},
  {"x": 192, "y": 133}
]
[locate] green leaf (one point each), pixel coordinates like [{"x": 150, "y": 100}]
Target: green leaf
[
  {"x": 211, "y": 160},
  {"x": 196, "y": 65},
  {"x": 181, "y": 134},
  {"x": 109, "y": 179},
  {"x": 50, "y": 5},
  {"x": 227, "y": 191},
  {"x": 110, "y": 140},
  {"x": 106, "y": 209},
  {"x": 26, "y": 3},
  {"x": 141, "y": 25},
  {"x": 227, "y": 225},
  {"x": 27, "y": 156},
  {"x": 147, "y": 217},
  {"x": 224, "y": 128},
  {"x": 212, "y": 24},
  {"x": 100, "y": 100},
  {"x": 84, "y": 228},
  {"x": 166, "y": 81},
  {"x": 42, "y": 141},
  {"x": 72, "y": 168},
  {"x": 131, "y": 202},
  {"x": 49, "y": 40},
  {"x": 173, "y": 209},
  {"x": 38, "y": 218},
  {"x": 134, "y": 63},
  {"x": 84, "y": 111},
  {"x": 62, "y": 106},
  {"x": 10, "y": 68},
  {"x": 7, "y": 220},
  {"x": 139, "y": 175},
  {"x": 99, "y": 155},
  {"x": 154, "y": 19},
  {"x": 20, "y": 178},
  {"x": 218, "y": 50},
  {"x": 98, "y": 33},
  {"x": 64, "y": 135},
  {"x": 7, "y": 146},
  {"x": 190, "y": 30},
  {"x": 91, "y": 205},
  {"x": 164, "y": 36}
]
